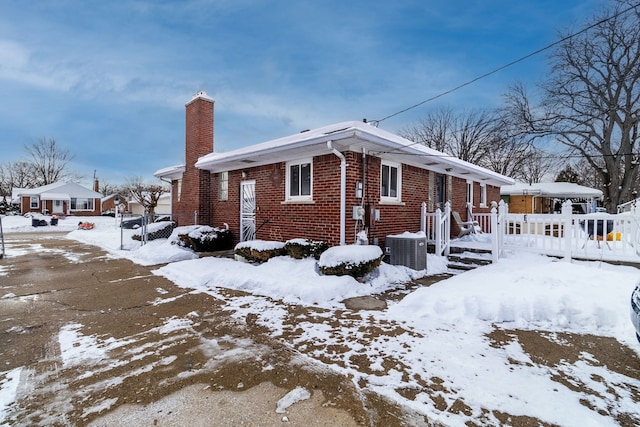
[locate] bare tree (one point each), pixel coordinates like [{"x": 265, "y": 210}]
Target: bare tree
[
  {"x": 433, "y": 130},
  {"x": 592, "y": 100},
  {"x": 467, "y": 135},
  {"x": 489, "y": 138},
  {"x": 16, "y": 175},
  {"x": 473, "y": 136},
  {"x": 146, "y": 194},
  {"x": 107, "y": 189},
  {"x": 50, "y": 163},
  {"x": 537, "y": 166}
]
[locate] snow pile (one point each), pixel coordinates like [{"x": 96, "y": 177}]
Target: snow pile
[
  {"x": 529, "y": 292},
  {"x": 260, "y": 245},
  {"x": 349, "y": 254},
  {"x": 290, "y": 280}
]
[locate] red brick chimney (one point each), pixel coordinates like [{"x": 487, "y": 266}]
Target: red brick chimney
[
  {"x": 195, "y": 200},
  {"x": 199, "y": 132}
]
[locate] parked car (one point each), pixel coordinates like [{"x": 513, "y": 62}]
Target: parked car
[
  {"x": 131, "y": 223},
  {"x": 136, "y": 222},
  {"x": 635, "y": 310}
]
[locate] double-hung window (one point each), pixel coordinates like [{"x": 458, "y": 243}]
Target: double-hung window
[
  {"x": 390, "y": 182},
  {"x": 300, "y": 180},
  {"x": 34, "y": 202},
  {"x": 483, "y": 195},
  {"x": 470, "y": 193},
  {"x": 223, "y": 186}
]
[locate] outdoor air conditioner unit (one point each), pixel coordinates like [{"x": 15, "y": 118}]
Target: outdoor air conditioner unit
[{"x": 409, "y": 250}]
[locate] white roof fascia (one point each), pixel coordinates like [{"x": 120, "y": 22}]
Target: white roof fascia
[
  {"x": 423, "y": 157},
  {"x": 172, "y": 172}
]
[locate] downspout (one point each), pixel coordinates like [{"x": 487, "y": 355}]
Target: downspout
[{"x": 343, "y": 191}]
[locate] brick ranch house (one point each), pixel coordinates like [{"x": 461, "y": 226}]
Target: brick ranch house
[
  {"x": 58, "y": 198},
  {"x": 312, "y": 184}
]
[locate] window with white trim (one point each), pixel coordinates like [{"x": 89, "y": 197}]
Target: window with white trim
[
  {"x": 470, "y": 192},
  {"x": 34, "y": 202},
  {"x": 390, "y": 182},
  {"x": 223, "y": 186},
  {"x": 81, "y": 204},
  {"x": 483, "y": 195},
  {"x": 299, "y": 180}
]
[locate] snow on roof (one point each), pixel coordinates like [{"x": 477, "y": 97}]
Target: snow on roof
[
  {"x": 171, "y": 172},
  {"x": 69, "y": 189},
  {"x": 345, "y": 136},
  {"x": 551, "y": 189}
]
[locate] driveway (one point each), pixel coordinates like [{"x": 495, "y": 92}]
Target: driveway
[
  {"x": 88, "y": 339},
  {"x": 92, "y": 340}
]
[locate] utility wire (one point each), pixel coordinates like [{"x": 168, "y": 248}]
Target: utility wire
[{"x": 536, "y": 52}]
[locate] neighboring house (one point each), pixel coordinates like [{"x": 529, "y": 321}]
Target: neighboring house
[
  {"x": 547, "y": 197},
  {"x": 323, "y": 184},
  {"x": 61, "y": 198},
  {"x": 163, "y": 207},
  {"x": 109, "y": 206}
]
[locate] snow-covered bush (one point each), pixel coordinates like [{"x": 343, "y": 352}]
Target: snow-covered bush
[
  {"x": 207, "y": 239},
  {"x": 305, "y": 248},
  {"x": 353, "y": 260},
  {"x": 259, "y": 250},
  {"x": 7, "y": 208},
  {"x": 156, "y": 230}
]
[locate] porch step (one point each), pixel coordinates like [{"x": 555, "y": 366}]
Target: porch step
[{"x": 468, "y": 260}]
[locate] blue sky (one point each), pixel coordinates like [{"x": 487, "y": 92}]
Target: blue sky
[{"x": 108, "y": 80}]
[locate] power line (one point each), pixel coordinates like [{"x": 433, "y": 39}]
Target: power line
[{"x": 536, "y": 52}]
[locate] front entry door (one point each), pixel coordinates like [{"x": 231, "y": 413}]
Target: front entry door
[
  {"x": 247, "y": 210},
  {"x": 57, "y": 206}
]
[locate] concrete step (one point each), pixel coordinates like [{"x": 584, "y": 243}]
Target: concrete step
[{"x": 468, "y": 260}]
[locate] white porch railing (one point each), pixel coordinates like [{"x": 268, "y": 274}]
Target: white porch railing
[
  {"x": 437, "y": 227},
  {"x": 483, "y": 220},
  {"x": 598, "y": 236}
]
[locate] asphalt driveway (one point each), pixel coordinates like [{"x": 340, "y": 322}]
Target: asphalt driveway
[{"x": 89, "y": 339}]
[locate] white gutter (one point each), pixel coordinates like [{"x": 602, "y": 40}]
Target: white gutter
[{"x": 343, "y": 191}]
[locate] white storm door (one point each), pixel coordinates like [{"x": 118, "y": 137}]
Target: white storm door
[
  {"x": 57, "y": 207},
  {"x": 247, "y": 210}
]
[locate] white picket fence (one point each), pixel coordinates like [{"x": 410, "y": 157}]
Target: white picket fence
[{"x": 597, "y": 236}]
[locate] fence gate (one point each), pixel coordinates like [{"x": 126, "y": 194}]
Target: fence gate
[{"x": 247, "y": 210}]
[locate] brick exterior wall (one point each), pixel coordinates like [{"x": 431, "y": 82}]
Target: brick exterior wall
[
  {"x": 25, "y": 207},
  {"x": 279, "y": 220},
  {"x": 195, "y": 194}
]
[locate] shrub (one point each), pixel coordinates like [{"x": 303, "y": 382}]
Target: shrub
[
  {"x": 207, "y": 239},
  {"x": 259, "y": 250},
  {"x": 305, "y": 248},
  {"x": 353, "y": 260}
]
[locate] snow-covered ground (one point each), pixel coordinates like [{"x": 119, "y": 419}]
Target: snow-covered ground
[{"x": 448, "y": 322}]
